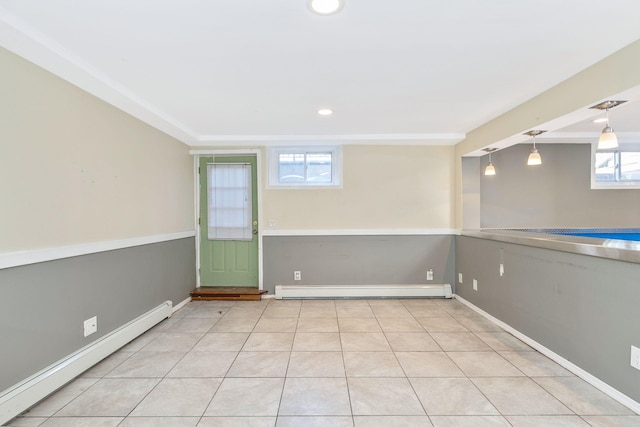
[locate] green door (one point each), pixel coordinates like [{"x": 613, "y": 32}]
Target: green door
[{"x": 227, "y": 261}]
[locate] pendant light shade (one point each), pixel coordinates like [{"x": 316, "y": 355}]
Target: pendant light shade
[
  {"x": 490, "y": 169},
  {"x": 608, "y": 138},
  {"x": 534, "y": 157}
]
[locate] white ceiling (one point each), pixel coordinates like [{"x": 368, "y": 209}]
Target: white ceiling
[{"x": 234, "y": 71}]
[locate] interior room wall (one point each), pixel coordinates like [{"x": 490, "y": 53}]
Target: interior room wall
[
  {"x": 577, "y": 306},
  {"x": 45, "y": 304},
  {"x": 388, "y": 223},
  {"x": 358, "y": 260},
  {"x": 383, "y": 188},
  {"x": 556, "y": 194},
  {"x": 75, "y": 169}
]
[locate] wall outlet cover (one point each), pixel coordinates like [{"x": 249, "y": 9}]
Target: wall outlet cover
[
  {"x": 297, "y": 275},
  {"x": 430, "y": 274},
  {"x": 635, "y": 357},
  {"x": 459, "y": 277},
  {"x": 475, "y": 285},
  {"x": 90, "y": 326}
]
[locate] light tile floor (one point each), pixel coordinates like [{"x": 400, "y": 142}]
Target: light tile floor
[{"x": 327, "y": 363}]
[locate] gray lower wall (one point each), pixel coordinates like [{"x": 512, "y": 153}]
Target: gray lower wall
[
  {"x": 583, "y": 308},
  {"x": 555, "y": 194},
  {"x": 43, "y": 306},
  {"x": 357, "y": 260}
]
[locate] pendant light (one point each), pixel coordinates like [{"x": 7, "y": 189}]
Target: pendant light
[
  {"x": 534, "y": 157},
  {"x": 608, "y": 137},
  {"x": 490, "y": 169}
]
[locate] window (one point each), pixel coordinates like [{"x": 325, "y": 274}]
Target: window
[
  {"x": 229, "y": 201},
  {"x": 304, "y": 166},
  {"x": 617, "y": 168}
]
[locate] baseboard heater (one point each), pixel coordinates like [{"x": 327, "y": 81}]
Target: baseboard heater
[
  {"x": 27, "y": 393},
  {"x": 362, "y": 291}
]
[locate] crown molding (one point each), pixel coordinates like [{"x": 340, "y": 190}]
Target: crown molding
[{"x": 346, "y": 139}]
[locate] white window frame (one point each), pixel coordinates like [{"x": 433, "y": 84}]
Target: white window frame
[
  {"x": 618, "y": 185},
  {"x": 336, "y": 166}
]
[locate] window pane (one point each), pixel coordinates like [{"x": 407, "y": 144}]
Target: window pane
[
  {"x": 630, "y": 166},
  {"x": 315, "y": 166},
  {"x": 229, "y": 201},
  {"x": 605, "y": 167},
  {"x": 291, "y": 167},
  {"x": 319, "y": 167}
]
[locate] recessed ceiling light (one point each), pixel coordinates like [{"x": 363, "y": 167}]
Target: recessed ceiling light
[
  {"x": 325, "y": 7},
  {"x": 325, "y": 111},
  {"x": 600, "y": 120}
]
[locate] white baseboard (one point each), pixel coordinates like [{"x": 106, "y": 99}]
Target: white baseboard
[
  {"x": 27, "y": 393},
  {"x": 362, "y": 291},
  {"x": 594, "y": 381}
]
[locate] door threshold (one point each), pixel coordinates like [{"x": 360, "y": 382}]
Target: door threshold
[{"x": 229, "y": 293}]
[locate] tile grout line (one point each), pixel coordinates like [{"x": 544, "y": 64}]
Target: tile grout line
[
  {"x": 204, "y": 411},
  {"x": 344, "y": 366},
  {"x": 284, "y": 380}
]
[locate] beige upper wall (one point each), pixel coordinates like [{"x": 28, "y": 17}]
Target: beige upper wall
[
  {"x": 75, "y": 170},
  {"x": 384, "y": 187},
  {"x": 617, "y": 73}
]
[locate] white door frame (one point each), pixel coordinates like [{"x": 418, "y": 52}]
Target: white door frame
[{"x": 213, "y": 152}]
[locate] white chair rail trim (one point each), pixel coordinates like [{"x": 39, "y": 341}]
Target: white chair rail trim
[{"x": 16, "y": 259}]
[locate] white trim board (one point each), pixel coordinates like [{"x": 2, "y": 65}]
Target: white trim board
[
  {"x": 437, "y": 139},
  {"x": 363, "y": 232},
  {"x": 16, "y": 259},
  {"x": 594, "y": 381}
]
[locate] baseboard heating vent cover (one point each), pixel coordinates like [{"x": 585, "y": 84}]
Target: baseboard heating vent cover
[{"x": 363, "y": 291}]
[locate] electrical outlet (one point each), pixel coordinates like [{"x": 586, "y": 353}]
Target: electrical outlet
[
  {"x": 459, "y": 277},
  {"x": 430, "y": 274},
  {"x": 475, "y": 285},
  {"x": 297, "y": 275},
  {"x": 635, "y": 357},
  {"x": 272, "y": 223},
  {"x": 501, "y": 270},
  {"x": 91, "y": 326}
]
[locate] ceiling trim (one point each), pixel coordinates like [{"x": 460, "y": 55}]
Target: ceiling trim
[{"x": 348, "y": 139}]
